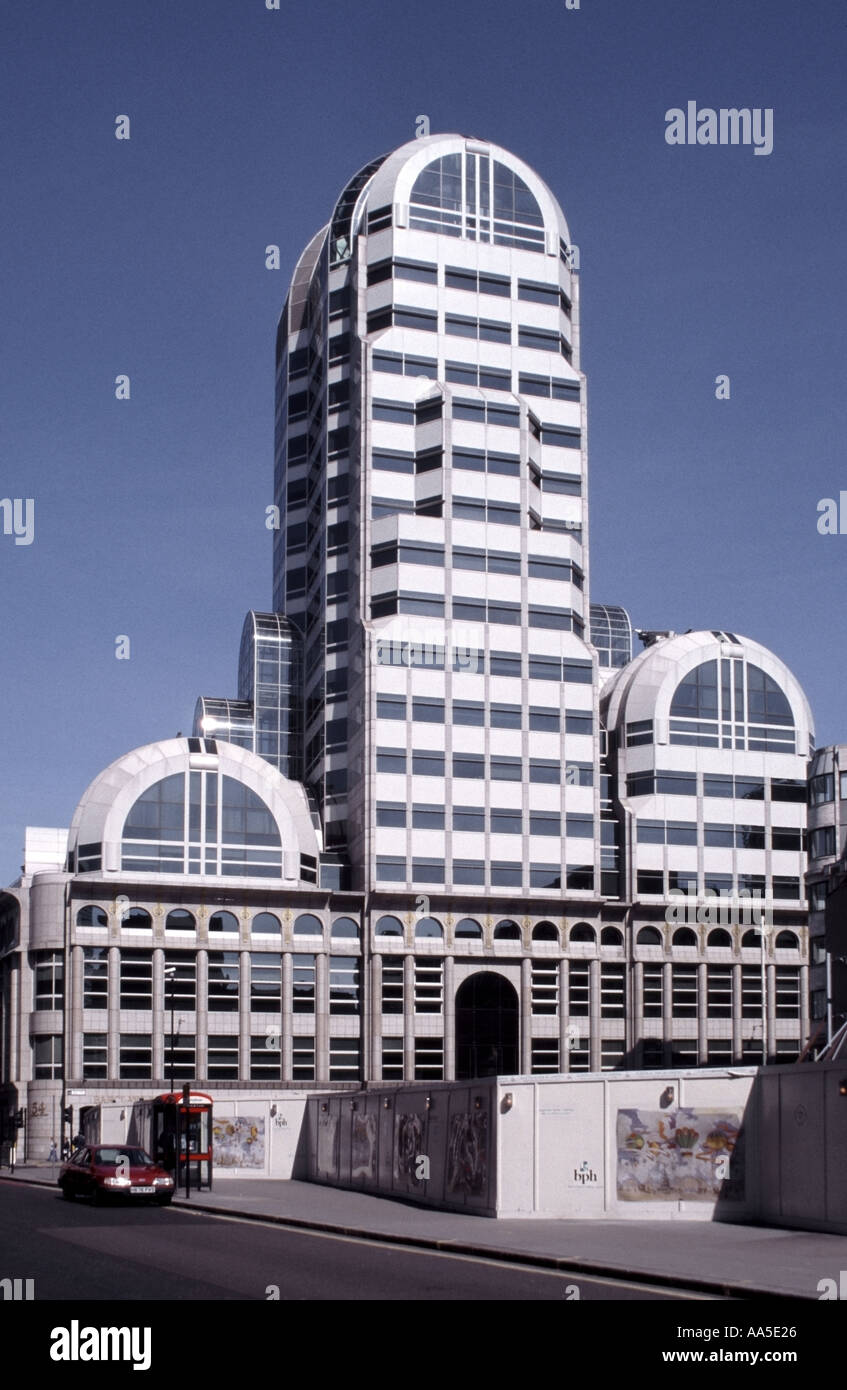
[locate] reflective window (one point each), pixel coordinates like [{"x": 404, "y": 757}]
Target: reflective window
[
  {"x": 91, "y": 916},
  {"x": 308, "y": 925},
  {"x": 223, "y": 921}
]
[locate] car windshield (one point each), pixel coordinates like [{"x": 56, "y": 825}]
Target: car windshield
[{"x": 111, "y": 1157}]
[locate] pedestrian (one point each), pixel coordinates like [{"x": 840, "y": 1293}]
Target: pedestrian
[
  {"x": 77, "y": 1141},
  {"x": 53, "y": 1156},
  {"x": 66, "y": 1149}
]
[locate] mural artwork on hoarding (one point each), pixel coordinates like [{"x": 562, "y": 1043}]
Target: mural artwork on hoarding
[
  {"x": 678, "y": 1155},
  {"x": 239, "y": 1142},
  {"x": 467, "y": 1153},
  {"x": 363, "y": 1157},
  {"x": 327, "y": 1146},
  {"x": 408, "y": 1144}
]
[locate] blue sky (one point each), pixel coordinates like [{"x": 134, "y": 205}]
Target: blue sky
[{"x": 146, "y": 257}]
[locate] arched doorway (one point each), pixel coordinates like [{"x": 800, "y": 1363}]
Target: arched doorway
[{"x": 486, "y": 1027}]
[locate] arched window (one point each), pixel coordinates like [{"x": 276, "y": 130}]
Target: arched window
[
  {"x": 787, "y": 941},
  {"x": 427, "y": 926},
  {"x": 223, "y": 921},
  {"x": 345, "y": 926},
  {"x": 457, "y": 194},
  {"x": 752, "y": 938},
  {"x": 91, "y": 916},
  {"x": 649, "y": 936},
  {"x": 719, "y": 937},
  {"x": 307, "y": 924},
  {"x": 137, "y": 918},
  {"x": 389, "y": 926},
  {"x": 610, "y": 936},
  {"x": 545, "y": 931},
  {"x": 180, "y": 920},
  {"x": 582, "y": 932},
  {"x": 732, "y": 691},
  {"x": 265, "y": 923},
  {"x": 237, "y": 836},
  {"x": 468, "y": 929},
  {"x": 684, "y": 936},
  {"x": 507, "y": 931}
]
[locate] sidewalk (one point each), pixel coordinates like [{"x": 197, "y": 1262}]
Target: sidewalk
[{"x": 701, "y": 1256}]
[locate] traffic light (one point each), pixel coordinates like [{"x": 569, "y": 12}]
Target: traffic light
[
  {"x": 68, "y": 1116},
  {"x": 19, "y": 1119}
]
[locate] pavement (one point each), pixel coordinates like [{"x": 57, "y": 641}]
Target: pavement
[{"x": 701, "y": 1256}]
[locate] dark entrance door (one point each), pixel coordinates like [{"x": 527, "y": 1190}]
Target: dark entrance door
[{"x": 486, "y": 1027}]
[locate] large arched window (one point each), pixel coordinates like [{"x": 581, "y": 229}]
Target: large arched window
[
  {"x": 731, "y": 704},
  {"x": 507, "y": 930},
  {"x": 201, "y": 823},
  {"x": 684, "y": 936},
  {"x": 137, "y": 918},
  {"x": 719, "y": 937},
  {"x": 471, "y": 195},
  {"x": 611, "y": 936},
  {"x": 468, "y": 929},
  {"x": 787, "y": 941}
]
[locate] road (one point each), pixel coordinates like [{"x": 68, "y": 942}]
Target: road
[{"x": 74, "y": 1251}]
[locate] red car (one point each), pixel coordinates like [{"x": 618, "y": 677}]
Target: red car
[{"x": 99, "y": 1171}]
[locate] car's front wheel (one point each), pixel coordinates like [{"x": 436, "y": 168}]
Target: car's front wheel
[
  {"x": 66, "y": 1193},
  {"x": 164, "y": 1201}
]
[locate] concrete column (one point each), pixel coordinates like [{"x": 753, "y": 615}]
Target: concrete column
[
  {"x": 74, "y": 996},
  {"x": 805, "y": 1018},
  {"x": 202, "y": 1015},
  {"x": 375, "y": 1032},
  {"x": 667, "y": 1008},
  {"x": 736, "y": 1013},
  {"x": 161, "y": 1015},
  {"x": 564, "y": 1036},
  {"x": 595, "y": 1054},
  {"x": 449, "y": 1018},
  {"x": 408, "y": 1017},
  {"x": 770, "y": 978},
  {"x": 15, "y": 1026},
  {"x": 635, "y": 1006},
  {"x": 321, "y": 1017},
  {"x": 244, "y": 1017},
  {"x": 702, "y": 1013},
  {"x": 525, "y": 1059},
  {"x": 287, "y": 1020},
  {"x": 114, "y": 996}
]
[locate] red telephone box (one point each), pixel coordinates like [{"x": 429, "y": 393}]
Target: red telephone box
[{"x": 183, "y": 1134}]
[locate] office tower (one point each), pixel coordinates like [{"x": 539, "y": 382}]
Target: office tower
[{"x": 433, "y": 548}]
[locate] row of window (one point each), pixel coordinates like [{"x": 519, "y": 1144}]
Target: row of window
[
  {"x": 485, "y": 377},
  {"x": 655, "y": 882},
  {"x": 716, "y": 784},
  {"x": 466, "y": 557},
  {"x": 477, "y": 610},
  {"x": 469, "y": 326},
  {"x": 497, "y": 768},
  {"x": 475, "y": 412},
  {"x": 478, "y": 873},
  {"x": 536, "y": 667},
  {"x": 659, "y": 832},
  {"x": 822, "y": 788},
  {"x": 506, "y": 821},
  {"x": 136, "y": 1057},
  {"x": 475, "y": 713},
  {"x": 465, "y": 508},
  {"x": 476, "y": 282},
  {"x": 180, "y": 919}
]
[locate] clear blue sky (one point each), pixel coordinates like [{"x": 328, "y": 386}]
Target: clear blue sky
[{"x": 147, "y": 257}]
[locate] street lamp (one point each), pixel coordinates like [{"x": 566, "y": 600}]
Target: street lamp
[{"x": 761, "y": 931}]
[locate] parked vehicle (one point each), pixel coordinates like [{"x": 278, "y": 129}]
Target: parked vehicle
[{"x": 100, "y": 1171}]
